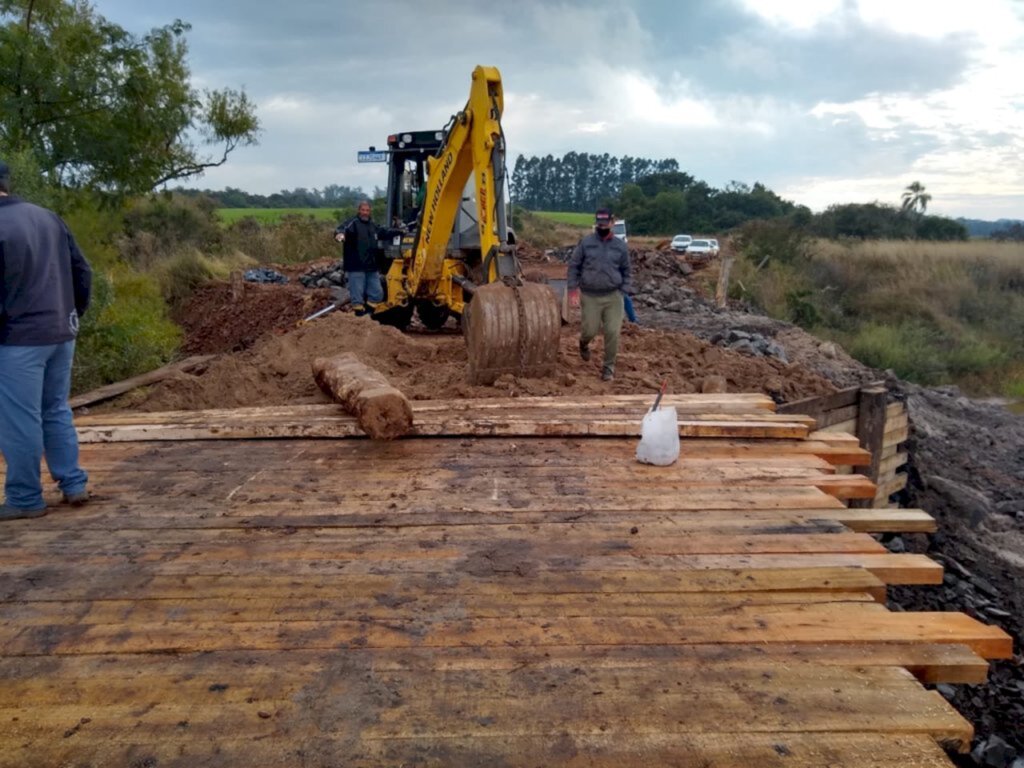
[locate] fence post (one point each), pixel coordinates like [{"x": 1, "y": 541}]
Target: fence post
[
  {"x": 722, "y": 289},
  {"x": 871, "y": 406},
  {"x": 237, "y": 285}
]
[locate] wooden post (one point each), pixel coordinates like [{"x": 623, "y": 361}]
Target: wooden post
[
  {"x": 383, "y": 412},
  {"x": 722, "y": 291},
  {"x": 237, "y": 285},
  {"x": 871, "y": 432}
]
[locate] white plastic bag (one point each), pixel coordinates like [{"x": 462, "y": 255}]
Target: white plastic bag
[{"x": 659, "y": 437}]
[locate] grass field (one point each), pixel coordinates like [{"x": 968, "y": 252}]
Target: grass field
[
  {"x": 564, "y": 217},
  {"x": 273, "y": 215},
  {"x": 935, "y": 313}
]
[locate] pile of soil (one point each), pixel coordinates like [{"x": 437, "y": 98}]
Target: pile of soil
[
  {"x": 214, "y": 321},
  {"x": 277, "y": 369}
]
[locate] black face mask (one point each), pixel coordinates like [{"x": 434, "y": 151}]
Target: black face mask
[{"x": 603, "y": 231}]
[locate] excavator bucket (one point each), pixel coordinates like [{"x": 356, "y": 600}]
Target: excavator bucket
[{"x": 512, "y": 329}]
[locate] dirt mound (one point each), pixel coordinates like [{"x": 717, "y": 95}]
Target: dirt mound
[
  {"x": 277, "y": 369},
  {"x": 214, "y": 321}
]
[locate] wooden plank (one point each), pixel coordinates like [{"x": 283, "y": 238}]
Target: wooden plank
[
  {"x": 152, "y": 377},
  {"x": 847, "y": 486},
  {"x": 833, "y": 437},
  {"x": 125, "y": 583},
  {"x": 593, "y": 527},
  {"x": 890, "y": 450},
  {"x": 896, "y": 436},
  {"x": 889, "y": 464},
  {"x": 613, "y": 746},
  {"x": 896, "y": 422},
  {"x": 848, "y": 427},
  {"x": 616, "y": 463},
  {"x": 815, "y": 405},
  {"x": 552, "y": 449},
  {"x": 813, "y": 698},
  {"x": 452, "y": 703},
  {"x": 837, "y": 416},
  {"x": 550, "y": 452},
  {"x": 101, "y": 548},
  {"x": 111, "y": 516},
  {"x": 496, "y": 487},
  {"x": 721, "y": 402},
  {"x": 438, "y": 410},
  {"x": 98, "y": 677},
  {"x": 254, "y": 607},
  {"x": 656, "y": 573},
  {"x": 895, "y": 485},
  {"x": 295, "y": 509},
  {"x": 894, "y": 410},
  {"x": 816, "y": 627},
  {"x": 499, "y": 562},
  {"x": 888, "y": 520},
  {"x": 346, "y": 427}
]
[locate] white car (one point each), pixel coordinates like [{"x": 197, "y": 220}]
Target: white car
[
  {"x": 714, "y": 246},
  {"x": 700, "y": 248},
  {"x": 619, "y": 230},
  {"x": 680, "y": 243}
]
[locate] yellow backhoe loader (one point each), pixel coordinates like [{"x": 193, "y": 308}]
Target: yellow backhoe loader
[{"x": 458, "y": 255}]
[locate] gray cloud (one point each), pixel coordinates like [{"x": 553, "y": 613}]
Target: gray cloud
[{"x": 331, "y": 78}]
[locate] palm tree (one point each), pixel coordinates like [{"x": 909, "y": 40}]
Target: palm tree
[{"x": 914, "y": 198}]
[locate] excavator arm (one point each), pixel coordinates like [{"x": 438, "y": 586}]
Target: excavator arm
[
  {"x": 474, "y": 146},
  {"x": 510, "y": 326}
]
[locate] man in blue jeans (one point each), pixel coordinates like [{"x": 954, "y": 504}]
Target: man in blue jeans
[
  {"x": 44, "y": 290},
  {"x": 359, "y": 237}
]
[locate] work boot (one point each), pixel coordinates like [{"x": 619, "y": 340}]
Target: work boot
[
  {"x": 13, "y": 513},
  {"x": 607, "y": 374},
  {"x": 584, "y": 351},
  {"x": 76, "y": 499}
]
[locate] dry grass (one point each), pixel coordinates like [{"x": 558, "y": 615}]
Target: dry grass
[{"x": 934, "y": 312}]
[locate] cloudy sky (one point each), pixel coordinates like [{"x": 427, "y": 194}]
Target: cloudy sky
[{"x": 823, "y": 101}]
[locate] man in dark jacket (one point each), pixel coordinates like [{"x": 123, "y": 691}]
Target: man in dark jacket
[
  {"x": 600, "y": 269},
  {"x": 359, "y": 238},
  {"x": 44, "y": 291}
]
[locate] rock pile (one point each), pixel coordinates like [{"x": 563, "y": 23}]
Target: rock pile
[
  {"x": 750, "y": 344},
  {"x": 966, "y": 462},
  {"x": 324, "y": 277}
]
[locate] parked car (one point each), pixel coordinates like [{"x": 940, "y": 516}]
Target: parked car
[
  {"x": 680, "y": 243},
  {"x": 619, "y": 229},
  {"x": 700, "y": 248},
  {"x": 714, "y": 246}
]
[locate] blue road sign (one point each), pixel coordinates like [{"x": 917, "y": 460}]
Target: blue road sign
[{"x": 372, "y": 157}]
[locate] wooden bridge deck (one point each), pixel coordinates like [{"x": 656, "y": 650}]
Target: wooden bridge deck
[{"x": 471, "y": 601}]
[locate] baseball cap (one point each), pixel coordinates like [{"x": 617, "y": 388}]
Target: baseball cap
[{"x": 603, "y": 215}]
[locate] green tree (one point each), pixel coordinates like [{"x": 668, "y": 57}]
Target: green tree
[
  {"x": 915, "y": 199},
  {"x": 103, "y": 109}
]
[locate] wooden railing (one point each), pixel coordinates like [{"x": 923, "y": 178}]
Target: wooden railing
[{"x": 882, "y": 427}]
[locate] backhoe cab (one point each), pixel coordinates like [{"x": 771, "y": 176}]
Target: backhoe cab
[{"x": 456, "y": 256}]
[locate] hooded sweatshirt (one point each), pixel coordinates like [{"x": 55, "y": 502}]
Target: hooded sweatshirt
[{"x": 45, "y": 281}]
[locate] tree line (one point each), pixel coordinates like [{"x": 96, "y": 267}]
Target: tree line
[
  {"x": 331, "y": 196},
  {"x": 578, "y": 181},
  {"x": 656, "y": 198}
]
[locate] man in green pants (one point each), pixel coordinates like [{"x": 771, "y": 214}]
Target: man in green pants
[{"x": 599, "y": 269}]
